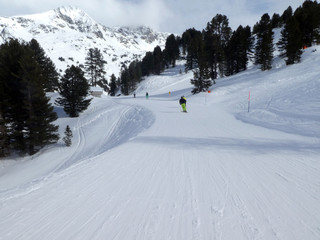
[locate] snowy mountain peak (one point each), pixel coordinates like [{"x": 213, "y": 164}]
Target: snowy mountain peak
[
  {"x": 66, "y": 34},
  {"x": 71, "y": 11},
  {"x": 75, "y": 16}
]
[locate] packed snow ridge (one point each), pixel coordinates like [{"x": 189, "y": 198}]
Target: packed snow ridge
[{"x": 141, "y": 169}]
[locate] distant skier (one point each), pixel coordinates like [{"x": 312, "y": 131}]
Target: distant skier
[
  {"x": 183, "y": 103},
  {"x": 147, "y": 95},
  {"x": 134, "y": 95}
]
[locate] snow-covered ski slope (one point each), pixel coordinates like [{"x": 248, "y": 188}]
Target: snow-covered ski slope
[{"x": 142, "y": 169}]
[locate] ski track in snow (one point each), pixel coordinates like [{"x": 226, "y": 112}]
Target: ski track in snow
[{"x": 141, "y": 169}]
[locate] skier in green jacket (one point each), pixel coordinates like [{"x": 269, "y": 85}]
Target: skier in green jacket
[{"x": 183, "y": 103}]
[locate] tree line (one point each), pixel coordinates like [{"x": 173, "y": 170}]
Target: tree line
[
  {"x": 26, "y": 114},
  {"x": 217, "y": 51},
  {"x": 152, "y": 63}
]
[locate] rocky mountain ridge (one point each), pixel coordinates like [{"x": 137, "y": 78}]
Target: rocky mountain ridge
[{"x": 67, "y": 33}]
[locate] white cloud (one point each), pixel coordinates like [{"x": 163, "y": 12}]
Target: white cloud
[
  {"x": 162, "y": 15},
  {"x": 148, "y": 12},
  {"x": 152, "y": 13}
]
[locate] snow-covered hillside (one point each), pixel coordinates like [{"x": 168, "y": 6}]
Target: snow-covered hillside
[
  {"x": 142, "y": 169},
  {"x": 68, "y": 32}
]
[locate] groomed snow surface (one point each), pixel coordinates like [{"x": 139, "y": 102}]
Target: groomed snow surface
[{"x": 142, "y": 169}]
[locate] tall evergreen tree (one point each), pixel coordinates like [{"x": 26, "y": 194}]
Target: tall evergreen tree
[
  {"x": 186, "y": 39},
  {"x": 124, "y": 80},
  {"x": 239, "y": 50},
  {"x": 12, "y": 100},
  {"x": 74, "y": 89},
  {"x": 49, "y": 73},
  {"x": 39, "y": 130},
  {"x": 219, "y": 33},
  {"x": 26, "y": 109},
  {"x": 290, "y": 43},
  {"x": 264, "y": 46},
  {"x": 201, "y": 76},
  {"x": 246, "y": 47},
  {"x": 172, "y": 50},
  {"x": 135, "y": 74},
  {"x": 113, "y": 85},
  {"x": 288, "y": 13},
  {"x": 232, "y": 52},
  {"x": 3, "y": 128},
  {"x": 201, "y": 79},
  {"x": 212, "y": 52},
  {"x": 308, "y": 16},
  {"x": 147, "y": 64},
  {"x": 192, "y": 40},
  {"x": 100, "y": 70},
  {"x": 276, "y": 21},
  {"x": 94, "y": 66},
  {"x": 3, "y": 138},
  {"x": 157, "y": 60},
  {"x": 90, "y": 66}
]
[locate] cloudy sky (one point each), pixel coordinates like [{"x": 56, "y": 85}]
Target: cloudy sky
[{"x": 174, "y": 16}]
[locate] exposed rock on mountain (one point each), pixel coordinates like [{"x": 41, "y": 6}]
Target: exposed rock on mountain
[{"x": 67, "y": 33}]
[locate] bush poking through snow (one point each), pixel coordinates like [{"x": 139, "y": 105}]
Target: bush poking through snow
[{"x": 68, "y": 136}]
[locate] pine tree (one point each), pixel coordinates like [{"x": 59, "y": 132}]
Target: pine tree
[
  {"x": 13, "y": 99},
  {"x": 3, "y": 128},
  {"x": 124, "y": 80},
  {"x": 3, "y": 138},
  {"x": 264, "y": 47},
  {"x": 220, "y": 31},
  {"x": 94, "y": 66},
  {"x": 157, "y": 60},
  {"x": 135, "y": 74},
  {"x": 67, "y": 136},
  {"x": 25, "y": 108},
  {"x": 211, "y": 53},
  {"x": 185, "y": 40},
  {"x": 238, "y": 50},
  {"x": 192, "y": 55},
  {"x": 290, "y": 43},
  {"x": 147, "y": 64},
  {"x": 191, "y": 39},
  {"x": 201, "y": 79},
  {"x": 39, "y": 55},
  {"x": 113, "y": 85},
  {"x": 201, "y": 76},
  {"x": 276, "y": 21},
  {"x": 308, "y": 16},
  {"x": 39, "y": 130},
  {"x": 247, "y": 43},
  {"x": 49, "y": 73},
  {"x": 172, "y": 51},
  {"x": 286, "y": 15},
  {"x": 232, "y": 54},
  {"x": 100, "y": 72},
  {"x": 90, "y": 66},
  {"x": 74, "y": 90}
]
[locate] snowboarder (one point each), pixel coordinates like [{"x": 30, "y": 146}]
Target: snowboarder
[
  {"x": 183, "y": 102},
  {"x": 147, "y": 95},
  {"x": 134, "y": 95}
]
